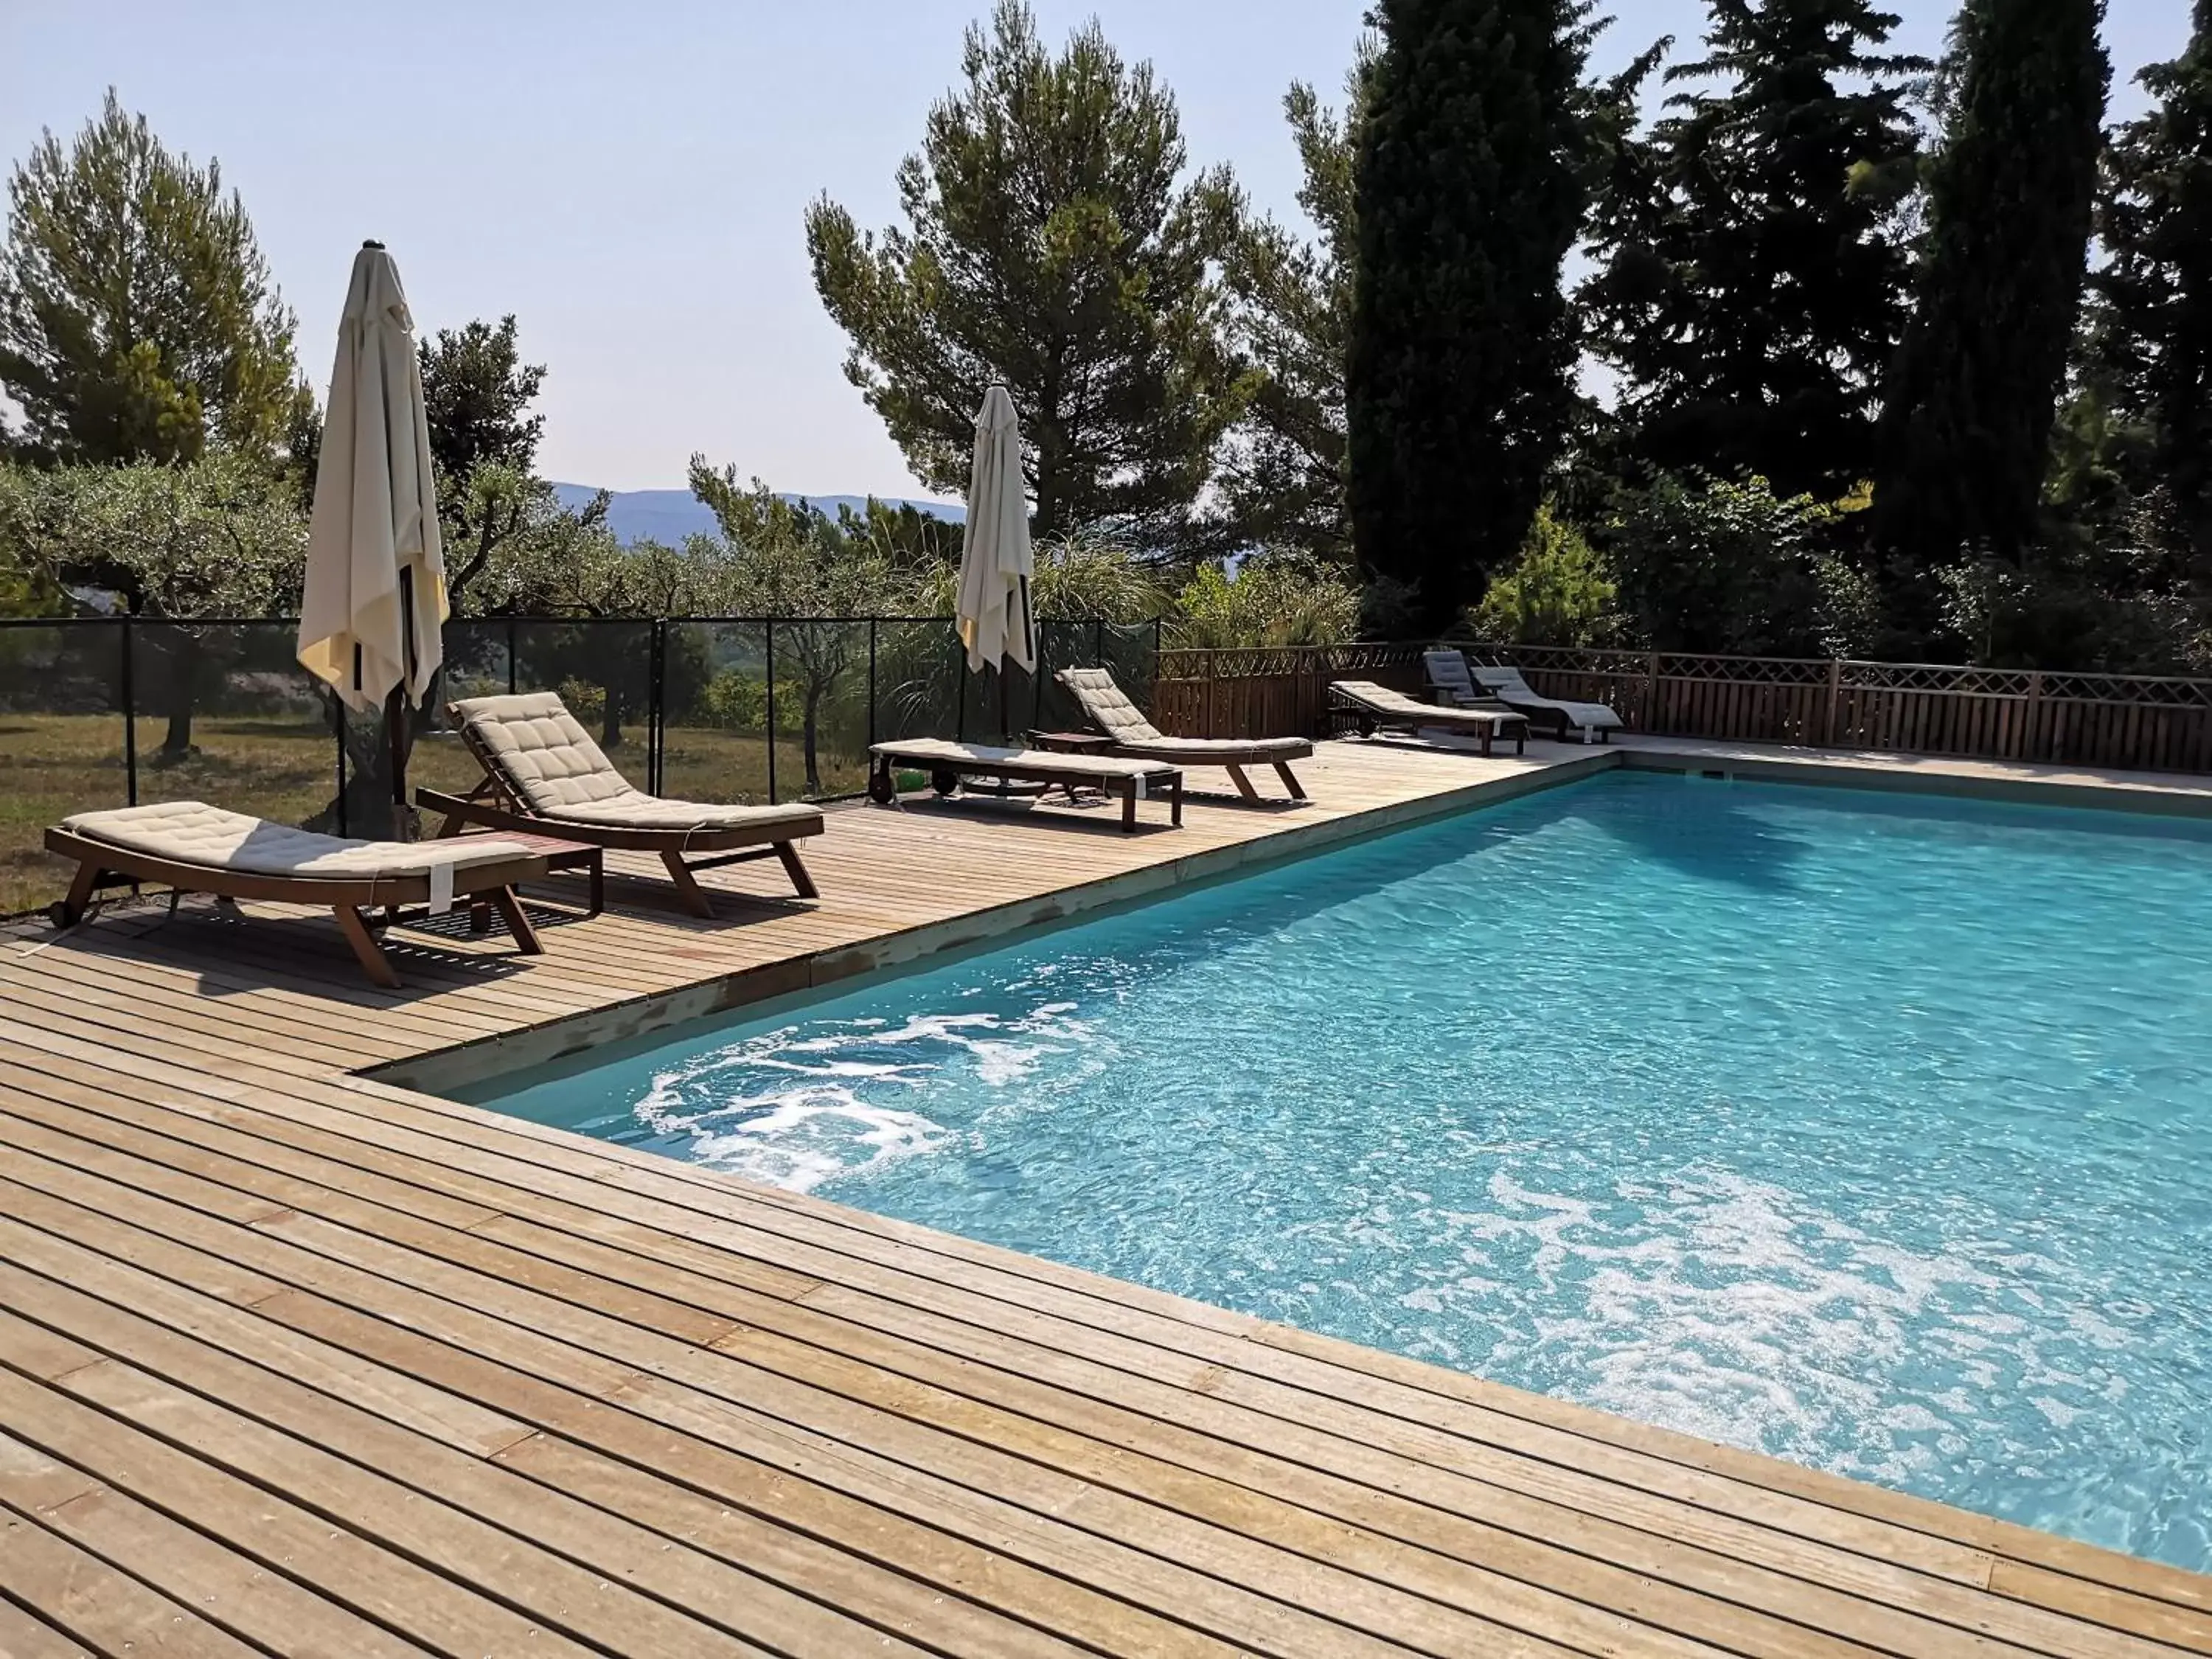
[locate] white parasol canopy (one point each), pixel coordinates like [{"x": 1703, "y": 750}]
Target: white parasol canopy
[
  {"x": 375, "y": 595},
  {"x": 996, "y": 564}
]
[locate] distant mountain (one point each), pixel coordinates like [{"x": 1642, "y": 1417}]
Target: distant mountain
[{"x": 670, "y": 515}]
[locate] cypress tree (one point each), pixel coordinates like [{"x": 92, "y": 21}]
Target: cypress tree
[
  {"x": 1969, "y": 402},
  {"x": 1468, "y": 192},
  {"x": 1753, "y": 265},
  {"x": 2152, "y": 339}
]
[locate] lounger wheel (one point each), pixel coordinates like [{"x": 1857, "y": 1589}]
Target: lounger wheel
[
  {"x": 881, "y": 789},
  {"x": 1365, "y": 724},
  {"x": 58, "y": 914},
  {"x": 944, "y": 780}
]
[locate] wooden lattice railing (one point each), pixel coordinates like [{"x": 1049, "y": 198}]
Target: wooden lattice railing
[
  {"x": 1269, "y": 691},
  {"x": 2117, "y": 721}
]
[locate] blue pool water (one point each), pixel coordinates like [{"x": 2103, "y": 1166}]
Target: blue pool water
[{"x": 1871, "y": 1132}]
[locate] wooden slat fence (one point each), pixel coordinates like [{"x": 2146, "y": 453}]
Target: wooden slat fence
[
  {"x": 2127, "y": 721},
  {"x": 1269, "y": 692}
]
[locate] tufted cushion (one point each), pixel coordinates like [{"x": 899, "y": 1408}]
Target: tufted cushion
[
  {"x": 548, "y": 759},
  {"x": 1108, "y": 705},
  {"x": 190, "y": 832},
  {"x": 639, "y": 810},
  {"x": 558, "y": 772}
]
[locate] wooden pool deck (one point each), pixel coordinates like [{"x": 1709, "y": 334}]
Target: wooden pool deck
[{"x": 295, "y": 1362}]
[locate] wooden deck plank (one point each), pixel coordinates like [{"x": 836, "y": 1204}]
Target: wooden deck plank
[
  {"x": 243, "y": 1294},
  {"x": 216, "y": 1570},
  {"x": 96, "y": 1608},
  {"x": 266, "y": 1401}
]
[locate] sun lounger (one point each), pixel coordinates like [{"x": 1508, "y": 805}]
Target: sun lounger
[
  {"x": 1375, "y": 707},
  {"x": 1593, "y": 720},
  {"x": 1109, "y": 708},
  {"x": 1452, "y": 682},
  {"x": 197, "y": 848},
  {"x": 544, "y": 775},
  {"x": 947, "y": 764}
]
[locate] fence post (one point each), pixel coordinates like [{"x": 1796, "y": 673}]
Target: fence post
[
  {"x": 1037, "y": 677},
  {"x": 656, "y": 704},
  {"x": 1828, "y": 739},
  {"x": 2031, "y": 748},
  {"x": 960, "y": 697},
  {"x": 768, "y": 642},
  {"x": 130, "y": 691},
  {"x": 339, "y": 730},
  {"x": 511, "y": 631},
  {"x": 1651, "y": 692},
  {"x": 1206, "y": 720},
  {"x": 872, "y": 684}
]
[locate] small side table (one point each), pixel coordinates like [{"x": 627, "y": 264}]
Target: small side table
[
  {"x": 558, "y": 855},
  {"x": 1071, "y": 743}
]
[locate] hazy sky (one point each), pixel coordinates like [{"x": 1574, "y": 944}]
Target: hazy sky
[{"x": 629, "y": 178}]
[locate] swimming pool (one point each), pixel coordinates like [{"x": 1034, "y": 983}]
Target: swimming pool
[{"x": 1874, "y": 1132}]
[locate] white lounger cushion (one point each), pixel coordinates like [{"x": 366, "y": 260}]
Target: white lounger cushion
[
  {"x": 193, "y": 832},
  {"x": 1385, "y": 700},
  {"x": 940, "y": 751},
  {"x": 1507, "y": 684},
  {"x": 559, "y": 774}
]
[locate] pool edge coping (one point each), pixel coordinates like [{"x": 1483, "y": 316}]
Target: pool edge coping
[{"x": 464, "y": 1066}]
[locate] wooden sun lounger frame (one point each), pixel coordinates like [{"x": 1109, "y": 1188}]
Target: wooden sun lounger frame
[
  {"x": 1278, "y": 755},
  {"x": 1061, "y": 771},
  {"x": 490, "y": 806},
  {"x": 493, "y": 806},
  {"x": 1369, "y": 720},
  {"x": 103, "y": 864},
  {"x": 1232, "y": 762},
  {"x": 1547, "y": 712}
]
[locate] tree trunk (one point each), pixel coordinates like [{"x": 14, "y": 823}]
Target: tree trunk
[
  {"x": 1052, "y": 451},
  {"x": 184, "y": 692},
  {"x": 809, "y": 724},
  {"x": 611, "y": 733}
]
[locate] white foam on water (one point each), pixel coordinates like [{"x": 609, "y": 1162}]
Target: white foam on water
[
  {"x": 828, "y": 1122},
  {"x": 1737, "y": 1310},
  {"x": 798, "y": 1139}
]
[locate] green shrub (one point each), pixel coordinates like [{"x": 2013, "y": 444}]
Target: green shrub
[
  {"x": 1559, "y": 592},
  {"x": 1274, "y": 598},
  {"x": 736, "y": 701}
]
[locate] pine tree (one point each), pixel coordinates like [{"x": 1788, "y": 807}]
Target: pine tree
[
  {"x": 1969, "y": 402},
  {"x": 138, "y": 319},
  {"x": 2152, "y": 331},
  {"x": 1053, "y": 243},
  {"x": 1753, "y": 261},
  {"x": 1468, "y": 190}
]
